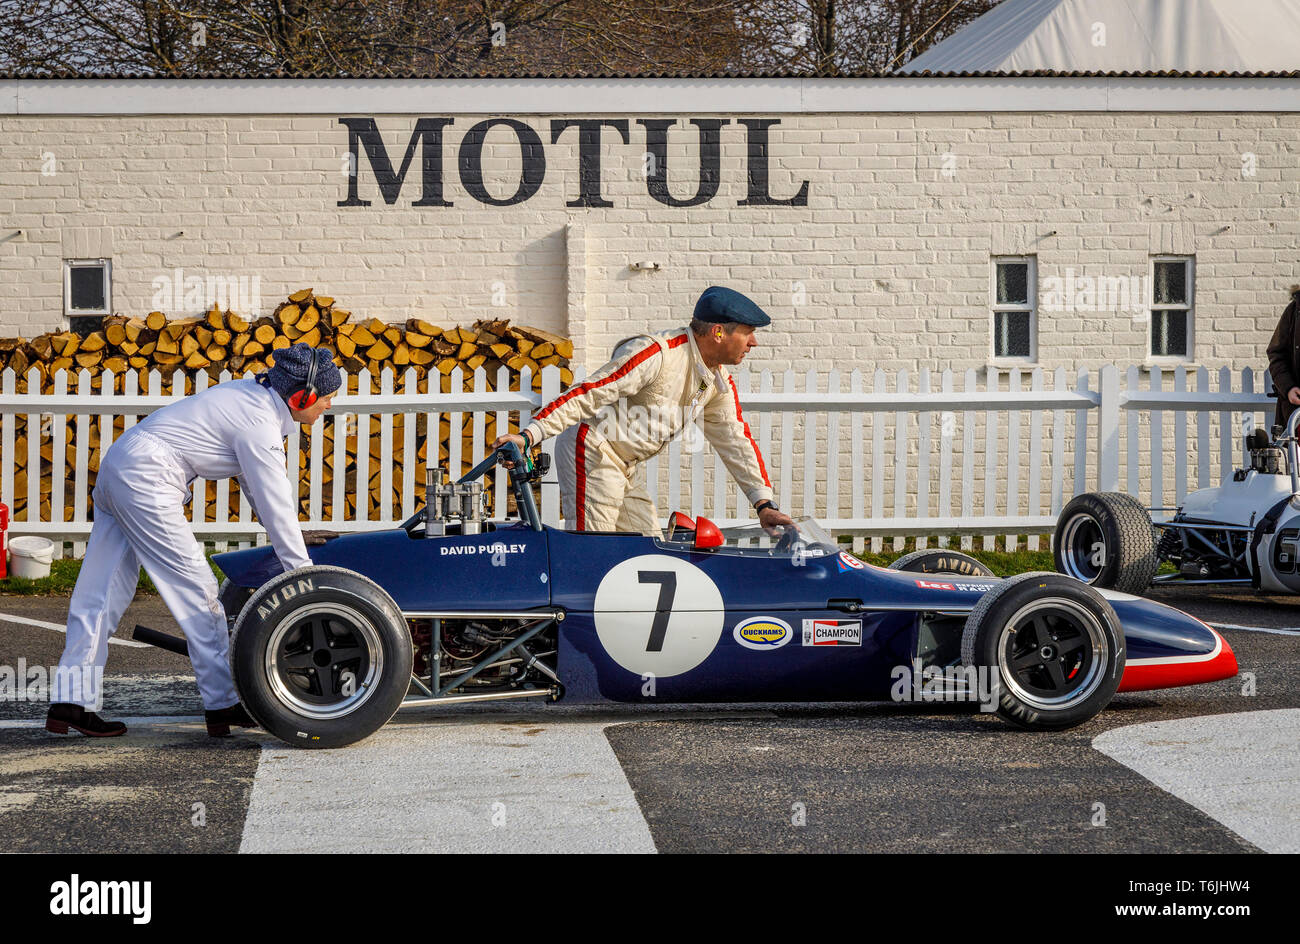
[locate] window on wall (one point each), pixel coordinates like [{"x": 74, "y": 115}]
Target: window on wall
[
  {"x": 87, "y": 292},
  {"x": 1171, "y": 307},
  {"x": 1015, "y": 293}
]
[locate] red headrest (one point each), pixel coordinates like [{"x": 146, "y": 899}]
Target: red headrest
[{"x": 707, "y": 534}]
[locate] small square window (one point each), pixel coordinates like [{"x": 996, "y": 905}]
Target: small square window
[
  {"x": 1014, "y": 305},
  {"x": 87, "y": 292},
  {"x": 1172, "y": 317}
]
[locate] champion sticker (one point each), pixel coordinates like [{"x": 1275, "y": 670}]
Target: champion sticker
[
  {"x": 763, "y": 632},
  {"x": 832, "y": 632}
]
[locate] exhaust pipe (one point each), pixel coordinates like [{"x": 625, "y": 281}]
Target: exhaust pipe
[{"x": 161, "y": 640}]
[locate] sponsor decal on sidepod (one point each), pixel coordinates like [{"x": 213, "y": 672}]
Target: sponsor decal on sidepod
[
  {"x": 832, "y": 632},
  {"x": 968, "y": 587},
  {"x": 763, "y": 632},
  {"x": 847, "y": 563}
]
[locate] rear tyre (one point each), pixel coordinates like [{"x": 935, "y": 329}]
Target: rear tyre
[
  {"x": 321, "y": 657},
  {"x": 1106, "y": 540},
  {"x": 1055, "y": 647},
  {"x": 940, "y": 560}
]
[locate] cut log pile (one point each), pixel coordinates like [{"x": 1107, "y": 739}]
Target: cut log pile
[{"x": 196, "y": 350}]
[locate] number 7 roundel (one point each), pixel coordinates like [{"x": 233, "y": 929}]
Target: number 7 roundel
[{"x": 658, "y": 615}]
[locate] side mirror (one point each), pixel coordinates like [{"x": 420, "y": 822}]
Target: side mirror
[{"x": 707, "y": 535}]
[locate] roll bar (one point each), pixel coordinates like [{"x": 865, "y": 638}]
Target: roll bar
[
  {"x": 521, "y": 479},
  {"x": 1291, "y": 451}
]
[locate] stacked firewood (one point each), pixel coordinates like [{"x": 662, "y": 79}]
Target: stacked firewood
[{"x": 194, "y": 351}]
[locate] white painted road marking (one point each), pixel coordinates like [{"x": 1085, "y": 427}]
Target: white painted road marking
[
  {"x": 469, "y": 785},
  {"x": 1241, "y": 769},
  {"x": 62, "y": 628},
  {"x": 1281, "y": 631}
]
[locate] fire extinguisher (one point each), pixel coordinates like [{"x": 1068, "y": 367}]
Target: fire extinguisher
[{"x": 4, "y": 529}]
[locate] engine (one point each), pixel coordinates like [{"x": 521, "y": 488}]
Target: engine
[{"x": 463, "y": 643}]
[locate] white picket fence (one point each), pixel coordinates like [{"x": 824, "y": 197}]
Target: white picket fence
[{"x": 872, "y": 457}]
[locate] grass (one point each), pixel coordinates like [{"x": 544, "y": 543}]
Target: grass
[
  {"x": 1002, "y": 562},
  {"x": 63, "y": 576}
]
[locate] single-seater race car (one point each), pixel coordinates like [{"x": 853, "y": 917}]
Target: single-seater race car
[
  {"x": 453, "y": 609},
  {"x": 1246, "y": 530}
]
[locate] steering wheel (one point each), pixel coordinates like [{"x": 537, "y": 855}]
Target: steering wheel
[{"x": 788, "y": 541}]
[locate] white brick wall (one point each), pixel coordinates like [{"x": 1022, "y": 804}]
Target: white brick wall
[{"x": 893, "y": 255}]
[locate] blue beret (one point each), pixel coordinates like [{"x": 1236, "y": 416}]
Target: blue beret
[
  {"x": 290, "y": 370},
  {"x": 722, "y": 305}
]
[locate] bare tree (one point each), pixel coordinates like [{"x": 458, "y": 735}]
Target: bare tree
[
  {"x": 837, "y": 37},
  {"x": 470, "y": 37}
]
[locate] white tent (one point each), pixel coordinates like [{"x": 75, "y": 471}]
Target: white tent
[{"x": 1123, "y": 36}]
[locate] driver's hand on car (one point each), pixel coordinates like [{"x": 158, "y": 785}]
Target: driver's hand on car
[
  {"x": 1293, "y": 395},
  {"x": 774, "y": 521},
  {"x": 511, "y": 438}
]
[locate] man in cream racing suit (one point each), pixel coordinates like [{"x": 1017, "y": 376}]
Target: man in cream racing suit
[{"x": 667, "y": 381}]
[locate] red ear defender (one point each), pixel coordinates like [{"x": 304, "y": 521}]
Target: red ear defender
[{"x": 301, "y": 399}]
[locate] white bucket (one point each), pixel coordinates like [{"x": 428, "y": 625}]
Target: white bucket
[{"x": 30, "y": 557}]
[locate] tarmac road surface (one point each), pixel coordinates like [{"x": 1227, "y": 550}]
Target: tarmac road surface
[{"x": 1212, "y": 768}]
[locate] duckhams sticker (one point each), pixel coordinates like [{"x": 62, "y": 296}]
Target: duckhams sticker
[{"x": 763, "y": 632}]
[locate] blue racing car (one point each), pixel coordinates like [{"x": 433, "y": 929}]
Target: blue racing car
[{"x": 452, "y": 608}]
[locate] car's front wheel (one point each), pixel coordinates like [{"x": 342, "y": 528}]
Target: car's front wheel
[
  {"x": 321, "y": 657},
  {"x": 1054, "y": 647},
  {"x": 941, "y": 560}
]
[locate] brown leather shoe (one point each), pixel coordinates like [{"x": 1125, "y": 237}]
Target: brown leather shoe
[
  {"x": 63, "y": 716},
  {"x": 219, "y": 721}
]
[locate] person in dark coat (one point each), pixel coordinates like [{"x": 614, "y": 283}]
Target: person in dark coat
[{"x": 1284, "y": 360}]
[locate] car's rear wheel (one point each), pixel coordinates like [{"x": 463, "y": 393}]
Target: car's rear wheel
[
  {"x": 1106, "y": 540},
  {"x": 1054, "y": 647},
  {"x": 321, "y": 657},
  {"x": 940, "y": 560}
]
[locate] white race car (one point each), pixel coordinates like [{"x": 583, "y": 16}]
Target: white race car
[{"x": 1244, "y": 531}]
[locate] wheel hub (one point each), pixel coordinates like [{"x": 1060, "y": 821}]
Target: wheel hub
[
  {"x": 1083, "y": 548},
  {"x": 1052, "y": 653},
  {"x": 321, "y": 660}
]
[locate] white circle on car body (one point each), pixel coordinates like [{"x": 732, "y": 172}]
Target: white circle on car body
[{"x": 658, "y": 615}]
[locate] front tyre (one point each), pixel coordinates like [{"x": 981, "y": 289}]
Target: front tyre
[
  {"x": 321, "y": 657},
  {"x": 1105, "y": 539},
  {"x": 1054, "y": 645}
]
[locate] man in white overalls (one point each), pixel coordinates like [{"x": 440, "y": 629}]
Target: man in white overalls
[{"x": 236, "y": 428}]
